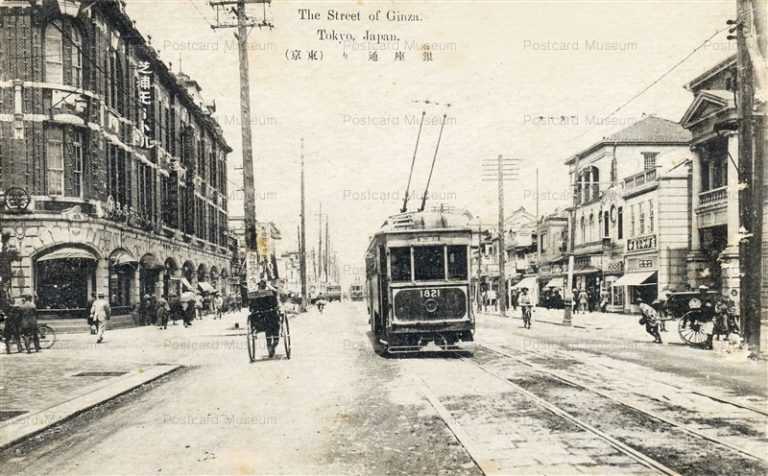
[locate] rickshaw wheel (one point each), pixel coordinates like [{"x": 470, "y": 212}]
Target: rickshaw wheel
[
  {"x": 285, "y": 334},
  {"x": 251, "y": 336},
  {"x": 692, "y": 333}
]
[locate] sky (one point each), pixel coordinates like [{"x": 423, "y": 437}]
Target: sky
[{"x": 531, "y": 80}]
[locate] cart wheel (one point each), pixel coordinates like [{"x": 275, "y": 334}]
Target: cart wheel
[
  {"x": 47, "y": 336},
  {"x": 251, "y": 336},
  {"x": 693, "y": 332},
  {"x": 285, "y": 332}
]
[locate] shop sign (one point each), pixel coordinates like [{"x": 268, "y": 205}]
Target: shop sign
[
  {"x": 641, "y": 244},
  {"x": 146, "y": 102},
  {"x": 252, "y": 270}
]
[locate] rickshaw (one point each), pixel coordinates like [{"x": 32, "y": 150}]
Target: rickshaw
[
  {"x": 694, "y": 311},
  {"x": 264, "y": 312}
]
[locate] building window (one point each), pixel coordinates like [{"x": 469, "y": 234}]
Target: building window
[
  {"x": 55, "y": 161},
  {"x": 651, "y": 225},
  {"x": 591, "y": 227},
  {"x": 606, "y": 230},
  {"x": 76, "y": 146},
  {"x": 649, "y": 160},
  {"x": 641, "y": 212},
  {"x": 620, "y": 219},
  {"x": 583, "y": 230},
  {"x": 61, "y": 40},
  {"x": 632, "y": 220},
  {"x": 543, "y": 241}
]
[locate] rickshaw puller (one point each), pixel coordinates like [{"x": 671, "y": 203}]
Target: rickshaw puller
[{"x": 267, "y": 320}]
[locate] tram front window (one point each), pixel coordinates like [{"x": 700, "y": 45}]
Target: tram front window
[
  {"x": 429, "y": 262},
  {"x": 400, "y": 263},
  {"x": 457, "y": 262}
]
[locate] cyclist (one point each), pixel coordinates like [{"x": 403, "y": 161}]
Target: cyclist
[{"x": 525, "y": 304}]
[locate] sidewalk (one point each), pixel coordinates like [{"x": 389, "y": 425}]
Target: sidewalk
[{"x": 41, "y": 389}]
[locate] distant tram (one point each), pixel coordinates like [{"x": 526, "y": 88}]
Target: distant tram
[
  {"x": 356, "y": 292},
  {"x": 418, "y": 279}
]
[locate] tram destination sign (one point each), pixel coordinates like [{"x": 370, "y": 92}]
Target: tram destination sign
[{"x": 642, "y": 243}]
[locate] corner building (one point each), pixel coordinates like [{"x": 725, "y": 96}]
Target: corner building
[{"x": 112, "y": 167}]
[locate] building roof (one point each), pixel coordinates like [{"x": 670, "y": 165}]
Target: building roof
[
  {"x": 716, "y": 69},
  {"x": 648, "y": 130}
]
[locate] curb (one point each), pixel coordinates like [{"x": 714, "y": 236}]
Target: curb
[{"x": 27, "y": 425}]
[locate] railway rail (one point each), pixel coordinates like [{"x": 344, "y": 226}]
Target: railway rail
[{"x": 658, "y": 443}]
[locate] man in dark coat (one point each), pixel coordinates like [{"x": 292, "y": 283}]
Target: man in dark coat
[{"x": 21, "y": 324}]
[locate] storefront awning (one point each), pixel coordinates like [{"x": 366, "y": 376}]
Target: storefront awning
[
  {"x": 556, "y": 283},
  {"x": 529, "y": 282},
  {"x": 636, "y": 279},
  {"x": 67, "y": 253},
  {"x": 587, "y": 270},
  {"x": 122, "y": 257},
  {"x": 206, "y": 287}
]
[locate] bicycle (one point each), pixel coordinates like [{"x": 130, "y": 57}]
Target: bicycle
[
  {"x": 527, "y": 317},
  {"x": 45, "y": 333}
]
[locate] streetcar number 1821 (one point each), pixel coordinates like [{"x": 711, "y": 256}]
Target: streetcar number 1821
[{"x": 430, "y": 293}]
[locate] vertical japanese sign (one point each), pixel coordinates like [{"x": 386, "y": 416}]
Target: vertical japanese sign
[{"x": 145, "y": 103}]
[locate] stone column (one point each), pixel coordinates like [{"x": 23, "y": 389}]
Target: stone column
[
  {"x": 696, "y": 261},
  {"x": 102, "y": 277}
]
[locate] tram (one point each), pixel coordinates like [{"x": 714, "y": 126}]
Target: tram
[
  {"x": 356, "y": 292},
  {"x": 418, "y": 279}
]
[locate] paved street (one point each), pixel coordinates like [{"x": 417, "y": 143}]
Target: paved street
[{"x": 550, "y": 400}]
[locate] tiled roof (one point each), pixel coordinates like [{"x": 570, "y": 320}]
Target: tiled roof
[
  {"x": 651, "y": 129},
  {"x": 648, "y": 130}
]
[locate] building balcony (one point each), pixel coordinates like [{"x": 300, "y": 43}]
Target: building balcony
[
  {"x": 713, "y": 198},
  {"x": 640, "y": 183}
]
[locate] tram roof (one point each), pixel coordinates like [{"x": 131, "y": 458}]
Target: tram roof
[{"x": 433, "y": 219}]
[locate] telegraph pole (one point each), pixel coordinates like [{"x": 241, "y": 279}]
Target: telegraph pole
[
  {"x": 320, "y": 244},
  {"x": 750, "y": 60},
  {"x": 237, "y": 7},
  {"x": 303, "y": 238},
  {"x": 506, "y": 169},
  {"x": 327, "y": 250}
]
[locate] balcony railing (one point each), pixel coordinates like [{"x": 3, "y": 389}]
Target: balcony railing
[
  {"x": 712, "y": 197},
  {"x": 638, "y": 180}
]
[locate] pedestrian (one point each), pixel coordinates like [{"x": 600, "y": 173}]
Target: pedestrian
[
  {"x": 484, "y": 300},
  {"x": 198, "y": 307},
  {"x": 144, "y": 310},
  {"x": 162, "y": 312},
  {"x": 23, "y": 325},
  {"x": 100, "y": 313},
  {"x": 583, "y": 301},
  {"x": 650, "y": 320},
  {"x": 91, "y": 324},
  {"x": 218, "y": 306},
  {"x": 492, "y": 299},
  {"x": 188, "y": 312},
  {"x": 515, "y": 299},
  {"x": 575, "y": 301},
  {"x": 526, "y": 306}
]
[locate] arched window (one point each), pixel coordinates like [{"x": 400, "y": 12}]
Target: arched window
[
  {"x": 620, "y": 221},
  {"x": 583, "y": 230},
  {"x": 606, "y": 229},
  {"x": 591, "y": 226},
  {"x": 63, "y": 54}
]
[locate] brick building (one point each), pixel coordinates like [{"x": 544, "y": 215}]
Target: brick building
[{"x": 112, "y": 167}]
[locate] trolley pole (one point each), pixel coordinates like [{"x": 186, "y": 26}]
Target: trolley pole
[{"x": 303, "y": 239}]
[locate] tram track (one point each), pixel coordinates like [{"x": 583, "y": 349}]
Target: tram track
[{"x": 657, "y": 443}]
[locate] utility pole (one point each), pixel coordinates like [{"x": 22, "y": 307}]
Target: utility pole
[
  {"x": 320, "y": 244},
  {"x": 750, "y": 38},
  {"x": 568, "y": 296},
  {"x": 506, "y": 169},
  {"x": 243, "y": 24},
  {"x": 539, "y": 240},
  {"x": 303, "y": 238},
  {"x": 327, "y": 251}
]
